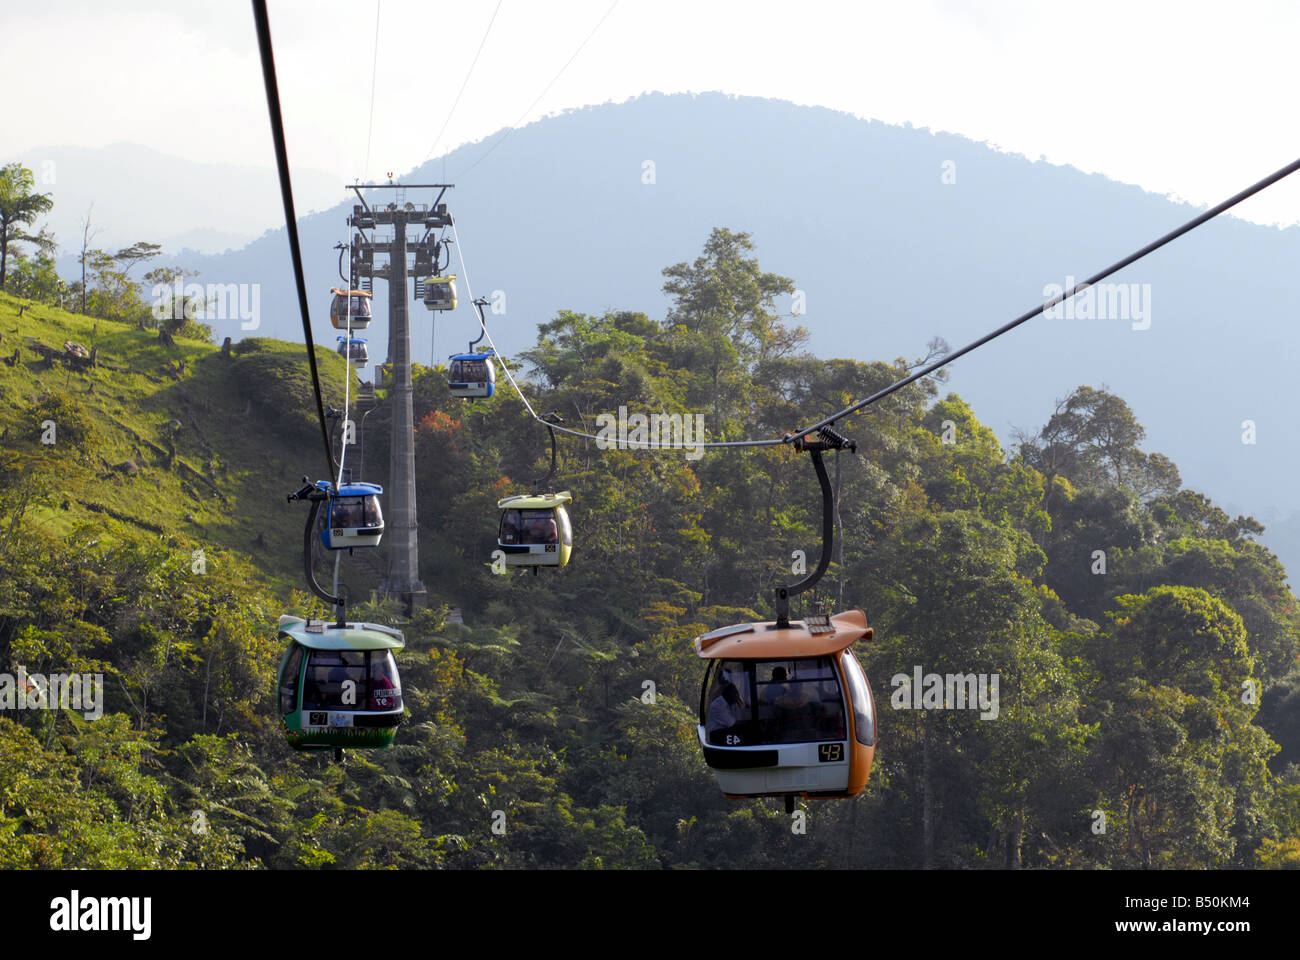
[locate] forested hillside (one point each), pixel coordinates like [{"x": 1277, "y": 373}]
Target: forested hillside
[{"x": 1146, "y": 644}]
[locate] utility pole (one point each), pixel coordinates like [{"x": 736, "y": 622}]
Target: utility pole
[{"x": 401, "y": 532}]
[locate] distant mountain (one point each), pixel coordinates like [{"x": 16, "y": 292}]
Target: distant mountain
[
  {"x": 894, "y": 235},
  {"x": 141, "y": 194}
]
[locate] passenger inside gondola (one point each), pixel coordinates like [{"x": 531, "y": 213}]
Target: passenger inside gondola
[
  {"x": 729, "y": 718},
  {"x": 828, "y": 712},
  {"x": 330, "y": 671},
  {"x": 468, "y": 371},
  {"x": 327, "y": 673},
  {"x": 544, "y": 531},
  {"x": 797, "y": 700},
  {"x": 726, "y": 711},
  {"x": 529, "y": 527},
  {"x": 383, "y": 687},
  {"x": 354, "y": 512}
]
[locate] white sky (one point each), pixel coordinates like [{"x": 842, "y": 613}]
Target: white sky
[{"x": 1195, "y": 100}]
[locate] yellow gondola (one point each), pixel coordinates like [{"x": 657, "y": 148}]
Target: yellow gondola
[
  {"x": 440, "y": 292},
  {"x": 535, "y": 530}
]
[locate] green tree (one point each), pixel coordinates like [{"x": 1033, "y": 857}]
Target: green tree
[
  {"x": 37, "y": 279},
  {"x": 19, "y": 206},
  {"x": 1179, "y": 758},
  {"x": 1092, "y": 439},
  {"x": 722, "y": 322}
]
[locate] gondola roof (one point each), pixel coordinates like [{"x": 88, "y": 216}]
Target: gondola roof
[
  {"x": 760, "y": 641},
  {"x": 355, "y": 636},
  {"x": 356, "y": 489},
  {"x": 535, "y": 501},
  {"x": 484, "y": 355}
]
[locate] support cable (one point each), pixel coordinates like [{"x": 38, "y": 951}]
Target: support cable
[
  {"x": 291, "y": 221},
  {"x": 926, "y": 370}
]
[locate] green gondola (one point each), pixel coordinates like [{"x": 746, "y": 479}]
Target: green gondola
[{"x": 339, "y": 686}]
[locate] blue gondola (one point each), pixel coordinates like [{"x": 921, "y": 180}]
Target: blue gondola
[
  {"x": 350, "y": 517},
  {"x": 355, "y": 350},
  {"x": 472, "y": 374}
]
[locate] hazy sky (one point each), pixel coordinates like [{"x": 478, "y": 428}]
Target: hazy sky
[{"x": 1194, "y": 100}]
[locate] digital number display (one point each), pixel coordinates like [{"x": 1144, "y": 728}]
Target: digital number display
[{"x": 830, "y": 752}]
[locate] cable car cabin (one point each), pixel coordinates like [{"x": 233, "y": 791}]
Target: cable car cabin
[
  {"x": 440, "y": 292},
  {"x": 787, "y": 712},
  {"x": 354, "y": 349},
  {"x": 535, "y": 530},
  {"x": 339, "y": 687},
  {"x": 360, "y": 307},
  {"x": 351, "y": 517},
  {"x": 472, "y": 375}
]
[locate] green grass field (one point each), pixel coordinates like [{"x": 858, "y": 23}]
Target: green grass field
[{"x": 255, "y": 407}]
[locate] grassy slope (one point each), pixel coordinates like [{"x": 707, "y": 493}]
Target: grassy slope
[{"x": 248, "y": 427}]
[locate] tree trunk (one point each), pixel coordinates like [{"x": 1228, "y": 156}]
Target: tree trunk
[
  {"x": 927, "y": 803},
  {"x": 207, "y": 678},
  {"x": 1015, "y": 841}
]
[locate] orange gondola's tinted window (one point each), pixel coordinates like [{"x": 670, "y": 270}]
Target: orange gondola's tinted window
[{"x": 774, "y": 701}]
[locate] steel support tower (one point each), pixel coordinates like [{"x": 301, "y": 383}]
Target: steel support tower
[{"x": 401, "y": 530}]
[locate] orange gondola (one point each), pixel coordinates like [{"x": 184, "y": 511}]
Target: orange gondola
[
  {"x": 785, "y": 707},
  {"x": 787, "y": 711},
  {"x": 357, "y": 313}
]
